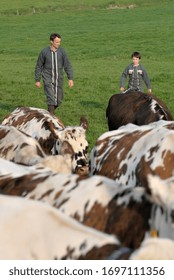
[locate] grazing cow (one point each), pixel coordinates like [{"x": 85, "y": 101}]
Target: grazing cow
[
  {"x": 21, "y": 148},
  {"x": 51, "y": 134},
  {"x": 128, "y": 213},
  {"x": 125, "y": 154},
  {"x": 135, "y": 107},
  {"x": 31, "y": 230}
]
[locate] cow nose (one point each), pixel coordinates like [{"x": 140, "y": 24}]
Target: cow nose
[
  {"x": 82, "y": 170},
  {"x": 82, "y": 162}
]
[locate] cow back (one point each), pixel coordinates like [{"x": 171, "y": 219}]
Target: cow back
[{"x": 135, "y": 107}]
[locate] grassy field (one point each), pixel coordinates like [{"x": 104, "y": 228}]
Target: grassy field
[{"x": 99, "y": 37}]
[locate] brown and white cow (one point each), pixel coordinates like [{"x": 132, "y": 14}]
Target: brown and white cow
[
  {"x": 126, "y": 154},
  {"x": 91, "y": 201},
  {"x": 31, "y": 230},
  {"x": 52, "y": 135},
  {"x": 21, "y": 148},
  {"x": 135, "y": 107},
  {"x": 131, "y": 214}
]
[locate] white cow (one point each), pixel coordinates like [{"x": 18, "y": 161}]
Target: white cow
[{"x": 32, "y": 230}]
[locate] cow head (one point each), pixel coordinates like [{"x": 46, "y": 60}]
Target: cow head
[{"x": 72, "y": 140}]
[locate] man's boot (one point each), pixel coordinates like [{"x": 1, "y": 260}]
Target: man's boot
[{"x": 51, "y": 109}]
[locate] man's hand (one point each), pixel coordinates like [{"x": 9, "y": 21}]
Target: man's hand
[
  {"x": 70, "y": 83},
  {"x": 149, "y": 90},
  {"x": 38, "y": 84},
  {"x": 121, "y": 89}
]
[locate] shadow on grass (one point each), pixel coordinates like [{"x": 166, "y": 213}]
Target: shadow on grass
[
  {"x": 7, "y": 107},
  {"x": 91, "y": 104}
]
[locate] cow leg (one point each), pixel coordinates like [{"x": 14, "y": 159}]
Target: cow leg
[{"x": 51, "y": 109}]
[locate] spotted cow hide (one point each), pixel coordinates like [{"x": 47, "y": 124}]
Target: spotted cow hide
[
  {"x": 52, "y": 135},
  {"x": 31, "y": 230},
  {"x": 131, "y": 214},
  {"x": 128, "y": 154}
]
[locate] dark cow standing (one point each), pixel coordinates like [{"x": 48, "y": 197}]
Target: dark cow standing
[{"x": 135, "y": 107}]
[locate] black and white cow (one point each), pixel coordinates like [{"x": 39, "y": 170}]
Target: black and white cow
[
  {"x": 128, "y": 153},
  {"x": 135, "y": 107},
  {"x": 52, "y": 135}
]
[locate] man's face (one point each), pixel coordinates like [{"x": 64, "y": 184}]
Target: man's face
[{"x": 55, "y": 43}]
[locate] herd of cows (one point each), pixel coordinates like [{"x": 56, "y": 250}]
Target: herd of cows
[{"x": 59, "y": 202}]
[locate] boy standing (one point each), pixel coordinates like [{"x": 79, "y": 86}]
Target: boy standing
[{"x": 137, "y": 74}]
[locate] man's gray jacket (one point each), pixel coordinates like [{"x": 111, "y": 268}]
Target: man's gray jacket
[{"x": 44, "y": 66}]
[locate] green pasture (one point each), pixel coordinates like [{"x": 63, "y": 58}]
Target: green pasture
[{"x": 99, "y": 37}]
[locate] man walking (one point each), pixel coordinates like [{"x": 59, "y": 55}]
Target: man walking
[{"x": 50, "y": 64}]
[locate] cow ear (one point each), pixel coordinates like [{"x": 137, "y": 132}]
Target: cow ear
[
  {"x": 83, "y": 122},
  {"x": 66, "y": 149}
]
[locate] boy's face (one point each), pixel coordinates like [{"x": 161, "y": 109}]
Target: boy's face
[{"x": 135, "y": 60}]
